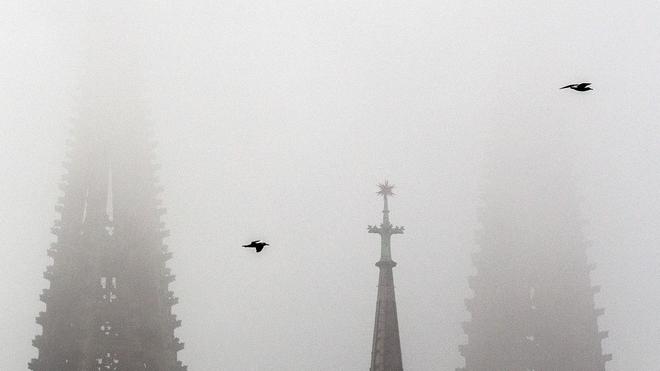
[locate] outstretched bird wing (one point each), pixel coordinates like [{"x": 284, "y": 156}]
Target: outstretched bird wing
[
  {"x": 259, "y": 248},
  {"x": 568, "y": 86}
]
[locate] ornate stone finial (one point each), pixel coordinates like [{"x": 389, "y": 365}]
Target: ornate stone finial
[{"x": 385, "y": 189}]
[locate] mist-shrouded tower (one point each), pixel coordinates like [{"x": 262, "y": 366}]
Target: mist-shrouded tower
[
  {"x": 386, "y": 348},
  {"x": 109, "y": 306},
  {"x": 533, "y": 303}
]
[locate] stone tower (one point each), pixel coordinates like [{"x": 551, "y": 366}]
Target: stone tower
[
  {"x": 533, "y": 303},
  {"x": 109, "y": 306},
  {"x": 386, "y": 348}
]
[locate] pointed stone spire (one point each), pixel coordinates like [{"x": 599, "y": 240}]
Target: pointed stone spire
[
  {"x": 109, "y": 304},
  {"x": 533, "y": 305},
  {"x": 386, "y": 348}
]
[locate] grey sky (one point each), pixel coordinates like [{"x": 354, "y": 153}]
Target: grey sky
[{"x": 275, "y": 120}]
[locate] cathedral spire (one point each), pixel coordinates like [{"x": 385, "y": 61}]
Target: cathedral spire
[
  {"x": 109, "y": 306},
  {"x": 386, "y": 347},
  {"x": 533, "y": 300}
]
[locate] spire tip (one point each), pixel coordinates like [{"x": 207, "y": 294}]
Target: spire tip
[{"x": 385, "y": 189}]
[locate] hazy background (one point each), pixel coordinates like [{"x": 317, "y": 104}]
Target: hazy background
[{"x": 275, "y": 120}]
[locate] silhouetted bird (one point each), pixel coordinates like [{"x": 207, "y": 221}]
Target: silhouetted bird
[
  {"x": 579, "y": 87},
  {"x": 258, "y": 244}
]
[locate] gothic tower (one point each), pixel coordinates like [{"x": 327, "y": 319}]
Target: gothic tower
[
  {"x": 386, "y": 348},
  {"x": 533, "y": 304},
  {"x": 108, "y": 307}
]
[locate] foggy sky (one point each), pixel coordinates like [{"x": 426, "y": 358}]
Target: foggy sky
[{"x": 275, "y": 120}]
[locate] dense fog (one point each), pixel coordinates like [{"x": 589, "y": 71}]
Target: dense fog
[{"x": 276, "y": 121}]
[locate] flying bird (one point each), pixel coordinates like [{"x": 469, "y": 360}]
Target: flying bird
[
  {"x": 257, "y": 244},
  {"x": 579, "y": 87}
]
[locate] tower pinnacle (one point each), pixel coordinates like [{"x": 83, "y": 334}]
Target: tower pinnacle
[
  {"x": 386, "y": 348},
  {"x": 109, "y": 303},
  {"x": 386, "y": 190},
  {"x": 386, "y": 229}
]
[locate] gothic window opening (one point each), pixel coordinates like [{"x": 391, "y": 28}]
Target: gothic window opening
[
  {"x": 532, "y": 297},
  {"x": 84, "y": 213},
  {"x": 109, "y": 286},
  {"x": 109, "y": 207},
  {"x": 108, "y": 362},
  {"x": 107, "y": 329}
]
